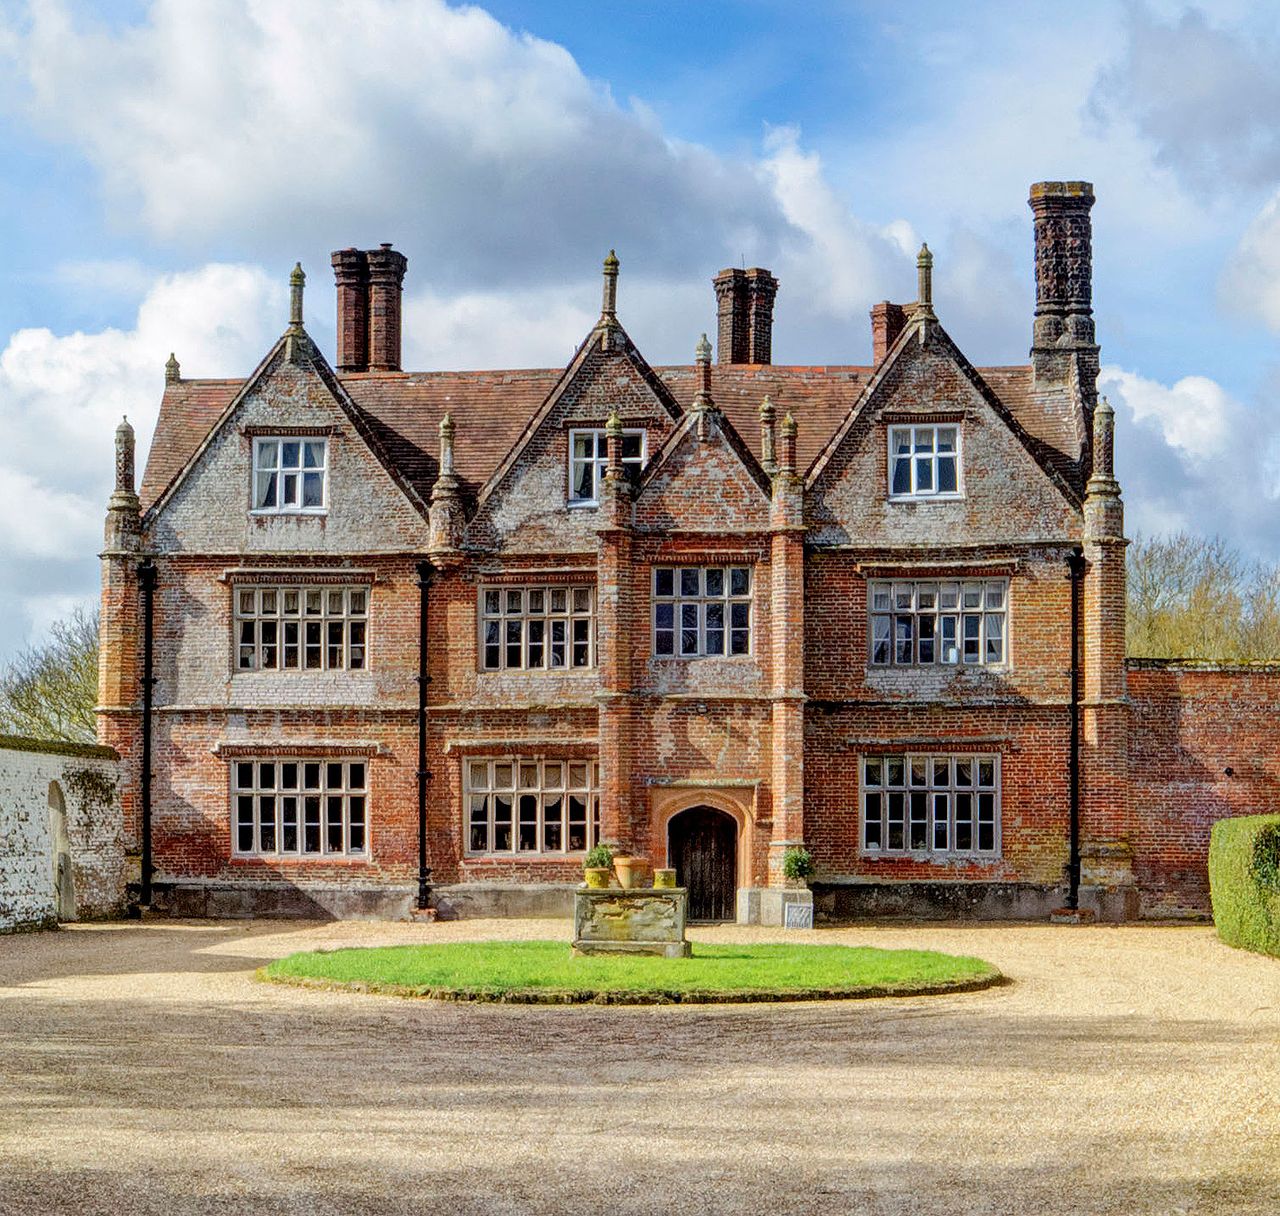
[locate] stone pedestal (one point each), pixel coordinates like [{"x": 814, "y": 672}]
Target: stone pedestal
[
  {"x": 781, "y": 907},
  {"x": 617, "y": 921}
]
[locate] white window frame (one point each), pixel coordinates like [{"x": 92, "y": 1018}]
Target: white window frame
[
  {"x": 969, "y": 616},
  {"x": 600, "y": 460},
  {"x": 270, "y": 620},
  {"x": 517, "y": 623},
  {"x": 291, "y": 504},
  {"x": 928, "y": 799},
  {"x": 930, "y": 457},
  {"x": 696, "y": 611},
  {"x": 519, "y": 791},
  {"x": 333, "y": 797}
]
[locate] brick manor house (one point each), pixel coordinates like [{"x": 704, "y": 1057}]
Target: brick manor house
[{"x": 373, "y": 637}]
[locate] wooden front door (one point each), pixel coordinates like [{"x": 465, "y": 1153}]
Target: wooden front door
[{"x": 702, "y": 844}]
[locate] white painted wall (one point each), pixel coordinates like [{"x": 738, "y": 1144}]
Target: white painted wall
[{"x": 82, "y": 821}]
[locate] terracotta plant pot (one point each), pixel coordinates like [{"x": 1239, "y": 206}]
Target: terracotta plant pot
[
  {"x": 597, "y": 876},
  {"x": 663, "y": 877},
  {"x": 628, "y": 870}
]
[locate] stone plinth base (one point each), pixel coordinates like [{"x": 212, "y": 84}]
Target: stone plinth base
[
  {"x": 1072, "y": 916},
  {"x": 618, "y": 921},
  {"x": 783, "y": 907}
]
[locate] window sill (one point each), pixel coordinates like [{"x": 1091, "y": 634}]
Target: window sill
[
  {"x": 702, "y": 658},
  {"x": 995, "y": 669},
  {"x": 577, "y": 504},
  {"x": 899, "y": 498},
  {"x": 306, "y": 859},
  {"x": 269, "y": 513},
  {"x": 923, "y": 855}
]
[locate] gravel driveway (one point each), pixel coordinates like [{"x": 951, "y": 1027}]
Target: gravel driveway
[{"x": 1125, "y": 1070}]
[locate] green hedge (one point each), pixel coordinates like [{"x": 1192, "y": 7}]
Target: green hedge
[{"x": 1244, "y": 881}]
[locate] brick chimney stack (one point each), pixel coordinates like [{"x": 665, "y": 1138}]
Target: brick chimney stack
[
  {"x": 369, "y": 284},
  {"x": 887, "y": 322},
  {"x": 744, "y": 305},
  {"x": 1063, "y": 326},
  {"x": 386, "y": 275}
]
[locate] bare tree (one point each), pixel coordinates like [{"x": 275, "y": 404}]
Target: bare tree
[
  {"x": 48, "y": 691},
  {"x": 1196, "y": 597}
]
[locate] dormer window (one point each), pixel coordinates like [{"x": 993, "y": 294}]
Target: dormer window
[
  {"x": 588, "y": 455},
  {"x": 290, "y": 475},
  {"x": 924, "y": 461}
]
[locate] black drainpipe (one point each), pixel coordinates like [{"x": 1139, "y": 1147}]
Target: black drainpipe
[
  {"x": 147, "y": 582},
  {"x": 424, "y": 871},
  {"x": 1075, "y": 572}
]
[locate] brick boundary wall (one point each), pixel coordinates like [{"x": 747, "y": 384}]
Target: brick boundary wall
[
  {"x": 59, "y": 798},
  {"x": 1204, "y": 745}
]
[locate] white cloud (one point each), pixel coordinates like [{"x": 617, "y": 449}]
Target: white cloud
[
  {"x": 61, "y": 397},
  {"x": 1192, "y": 457},
  {"x": 331, "y": 124},
  {"x": 1250, "y": 282},
  {"x": 1196, "y": 415}
]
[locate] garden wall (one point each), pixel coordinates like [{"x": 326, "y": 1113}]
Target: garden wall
[
  {"x": 1204, "y": 745},
  {"x": 61, "y": 833}
]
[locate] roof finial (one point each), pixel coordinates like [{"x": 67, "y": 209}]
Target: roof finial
[
  {"x": 446, "y": 445},
  {"x": 172, "y": 372},
  {"x": 297, "y": 280},
  {"x": 768, "y": 435},
  {"x": 787, "y": 432},
  {"x": 924, "y": 286},
  {"x": 609, "y": 308}
]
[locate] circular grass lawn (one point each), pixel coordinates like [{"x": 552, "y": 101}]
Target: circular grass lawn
[{"x": 542, "y": 972}]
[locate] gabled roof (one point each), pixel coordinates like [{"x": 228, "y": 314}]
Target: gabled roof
[
  {"x": 306, "y": 352},
  {"x": 492, "y": 409},
  {"x": 718, "y": 419},
  {"x": 1060, "y": 467},
  {"x": 612, "y": 332}
]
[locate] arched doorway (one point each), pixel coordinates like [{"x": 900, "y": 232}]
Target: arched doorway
[
  {"x": 64, "y": 882},
  {"x": 702, "y": 847}
]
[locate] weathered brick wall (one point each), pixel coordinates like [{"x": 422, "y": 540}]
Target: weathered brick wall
[
  {"x": 41, "y": 783},
  {"x": 1204, "y": 745}
]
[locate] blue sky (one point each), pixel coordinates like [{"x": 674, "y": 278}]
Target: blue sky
[{"x": 168, "y": 161}]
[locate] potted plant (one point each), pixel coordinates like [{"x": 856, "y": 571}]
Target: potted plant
[
  {"x": 597, "y": 866},
  {"x": 629, "y": 870},
  {"x": 797, "y": 865}
]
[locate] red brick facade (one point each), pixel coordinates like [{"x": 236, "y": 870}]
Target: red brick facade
[{"x": 769, "y": 488}]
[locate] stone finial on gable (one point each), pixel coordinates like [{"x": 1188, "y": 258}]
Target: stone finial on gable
[
  {"x": 609, "y": 303},
  {"x": 768, "y": 436},
  {"x": 446, "y": 519},
  {"x": 297, "y": 281},
  {"x": 1103, "y": 509},
  {"x": 124, "y": 523},
  {"x": 924, "y": 287},
  {"x": 787, "y": 432},
  {"x": 172, "y": 371},
  {"x": 124, "y": 456},
  {"x": 703, "y": 403},
  {"x": 613, "y": 446}
]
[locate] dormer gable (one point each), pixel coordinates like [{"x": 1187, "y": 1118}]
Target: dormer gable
[
  {"x": 966, "y": 471},
  {"x": 291, "y": 464},
  {"x": 528, "y": 503},
  {"x": 705, "y": 478}
]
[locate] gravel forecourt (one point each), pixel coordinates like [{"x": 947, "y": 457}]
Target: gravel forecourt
[{"x": 1123, "y": 1070}]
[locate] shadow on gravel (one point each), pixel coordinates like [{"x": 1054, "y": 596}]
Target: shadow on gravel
[
  {"x": 395, "y": 1183},
  {"x": 154, "y": 948}
]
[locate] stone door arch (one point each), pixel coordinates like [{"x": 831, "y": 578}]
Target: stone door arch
[
  {"x": 64, "y": 880},
  {"x": 702, "y": 845}
]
